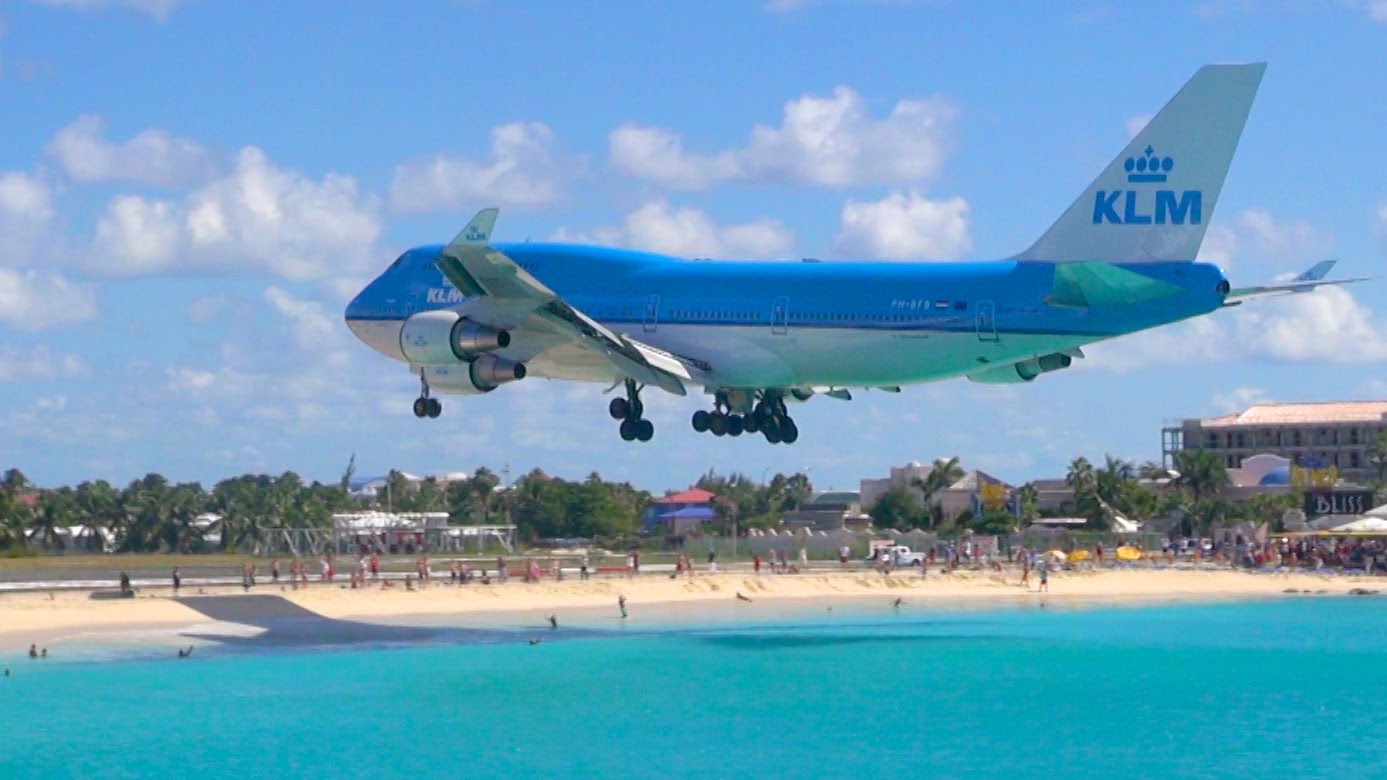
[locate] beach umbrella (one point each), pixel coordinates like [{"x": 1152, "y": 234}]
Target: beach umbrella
[
  {"x": 1056, "y": 556},
  {"x": 1363, "y": 524}
]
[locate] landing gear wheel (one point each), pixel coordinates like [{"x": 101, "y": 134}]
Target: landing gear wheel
[
  {"x": 645, "y": 430},
  {"x": 789, "y": 432},
  {"x": 700, "y": 421},
  {"x": 435, "y": 408},
  {"x": 734, "y": 425},
  {"x": 421, "y": 407},
  {"x": 771, "y": 432},
  {"x": 619, "y": 409},
  {"x": 628, "y": 430},
  {"x": 751, "y": 423},
  {"x": 718, "y": 424}
]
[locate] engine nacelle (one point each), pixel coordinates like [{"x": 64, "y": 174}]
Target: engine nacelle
[
  {"x": 482, "y": 375},
  {"x": 1023, "y": 371},
  {"x": 440, "y": 337}
]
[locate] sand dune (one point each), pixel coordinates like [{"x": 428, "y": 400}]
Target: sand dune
[{"x": 26, "y": 617}]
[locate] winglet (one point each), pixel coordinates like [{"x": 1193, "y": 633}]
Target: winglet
[{"x": 478, "y": 231}]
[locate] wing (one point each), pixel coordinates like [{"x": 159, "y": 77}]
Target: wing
[
  {"x": 477, "y": 269},
  {"x": 1304, "y": 283}
]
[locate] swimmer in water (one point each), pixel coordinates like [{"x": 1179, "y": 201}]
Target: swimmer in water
[
  {"x": 553, "y": 621},
  {"x": 740, "y": 597},
  {"x": 897, "y": 604},
  {"x": 534, "y": 641},
  {"x": 621, "y": 602}
]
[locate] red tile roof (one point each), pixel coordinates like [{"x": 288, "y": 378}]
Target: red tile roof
[{"x": 694, "y": 496}]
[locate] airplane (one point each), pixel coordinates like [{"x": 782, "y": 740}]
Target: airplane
[{"x": 758, "y": 336}]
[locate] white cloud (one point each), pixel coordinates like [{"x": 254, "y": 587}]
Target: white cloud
[
  {"x": 39, "y": 362},
  {"x": 1239, "y": 399},
  {"x": 26, "y": 208},
  {"x": 831, "y": 141},
  {"x": 1327, "y": 325},
  {"x": 260, "y": 217},
  {"x": 152, "y": 157},
  {"x": 313, "y": 328},
  {"x": 1137, "y": 123},
  {"x": 524, "y": 170},
  {"x": 1256, "y": 235},
  {"x": 30, "y": 300},
  {"x": 689, "y": 232},
  {"x": 1377, "y": 10},
  {"x": 159, "y": 9},
  {"x": 904, "y": 227}
]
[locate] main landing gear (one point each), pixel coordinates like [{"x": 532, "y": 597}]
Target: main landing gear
[
  {"x": 426, "y": 405},
  {"x": 768, "y": 417},
  {"x": 634, "y": 427}
]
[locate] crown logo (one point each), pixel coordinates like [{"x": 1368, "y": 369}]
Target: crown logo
[{"x": 1149, "y": 168}]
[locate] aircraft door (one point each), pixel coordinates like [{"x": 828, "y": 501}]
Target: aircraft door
[
  {"x": 652, "y": 314},
  {"x": 987, "y": 321},
  {"x": 780, "y": 316}
]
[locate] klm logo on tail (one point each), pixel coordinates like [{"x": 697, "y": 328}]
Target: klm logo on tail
[{"x": 1143, "y": 206}]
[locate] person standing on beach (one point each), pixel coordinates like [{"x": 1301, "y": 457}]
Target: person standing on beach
[
  {"x": 375, "y": 566},
  {"x": 274, "y": 570},
  {"x": 1045, "y": 577},
  {"x": 712, "y": 561},
  {"x": 177, "y": 581},
  {"x": 621, "y": 603}
]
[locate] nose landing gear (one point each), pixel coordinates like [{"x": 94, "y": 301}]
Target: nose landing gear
[{"x": 628, "y": 410}]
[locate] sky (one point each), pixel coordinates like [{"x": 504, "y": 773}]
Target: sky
[{"x": 191, "y": 190}]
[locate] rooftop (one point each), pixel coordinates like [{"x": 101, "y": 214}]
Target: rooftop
[
  {"x": 694, "y": 496},
  {"x": 1331, "y": 412}
]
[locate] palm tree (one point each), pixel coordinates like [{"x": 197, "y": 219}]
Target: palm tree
[
  {"x": 1201, "y": 472},
  {"x": 1377, "y": 458},
  {"x": 1030, "y": 500},
  {"x": 56, "y": 510},
  {"x": 943, "y": 473}
]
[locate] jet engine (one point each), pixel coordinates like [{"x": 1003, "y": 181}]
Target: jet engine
[
  {"x": 1023, "y": 371},
  {"x": 482, "y": 375},
  {"x": 440, "y": 337}
]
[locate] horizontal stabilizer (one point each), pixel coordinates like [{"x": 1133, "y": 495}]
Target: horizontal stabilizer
[{"x": 1306, "y": 282}]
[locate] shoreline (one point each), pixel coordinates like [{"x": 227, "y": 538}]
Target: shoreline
[{"x": 56, "y": 616}]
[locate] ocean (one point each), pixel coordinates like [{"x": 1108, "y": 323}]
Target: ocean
[{"x": 1294, "y": 687}]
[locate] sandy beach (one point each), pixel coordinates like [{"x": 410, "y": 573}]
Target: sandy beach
[{"x": 57, "y": 616}]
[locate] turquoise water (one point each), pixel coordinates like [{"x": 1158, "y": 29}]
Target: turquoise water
[{"x": 1295, "y": 687}]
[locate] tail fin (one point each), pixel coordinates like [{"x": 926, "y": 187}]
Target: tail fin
[{"x": 1153, "y": 203}]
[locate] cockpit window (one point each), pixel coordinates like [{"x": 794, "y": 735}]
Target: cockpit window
[{"x": 398, "y": 262}]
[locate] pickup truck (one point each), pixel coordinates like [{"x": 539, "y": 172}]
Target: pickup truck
[{"x": 897, "y": 555}]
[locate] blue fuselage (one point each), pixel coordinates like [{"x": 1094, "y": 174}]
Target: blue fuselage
[{"x": 838, "y": 323}]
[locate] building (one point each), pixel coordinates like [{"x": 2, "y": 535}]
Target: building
[
  {"x": 680, "y": 513},
  {"x": 1321, "y": 436},
  {"x": 831, "y": 510},
  {"x": 973, "y": 492}
]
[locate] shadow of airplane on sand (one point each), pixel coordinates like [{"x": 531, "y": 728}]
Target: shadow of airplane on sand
[{"x": 288, "y": 626}]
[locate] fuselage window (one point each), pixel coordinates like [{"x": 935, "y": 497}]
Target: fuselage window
[{"x": 960, "y": 305}]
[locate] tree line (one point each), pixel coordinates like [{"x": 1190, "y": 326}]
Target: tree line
[
  {"x": 1195, "y": 488},
  {"x": 152, "y": 514}
]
